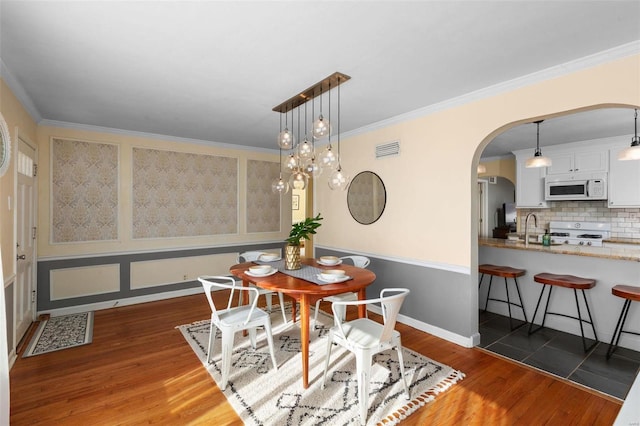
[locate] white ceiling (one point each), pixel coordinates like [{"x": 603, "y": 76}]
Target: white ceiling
[{"x": 213, "y": 70}]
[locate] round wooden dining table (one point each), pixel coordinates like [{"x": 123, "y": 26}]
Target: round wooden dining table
[{"x": 307, "y": 293}]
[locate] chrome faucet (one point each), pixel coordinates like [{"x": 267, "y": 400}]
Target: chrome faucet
[{"x": 526, "y": 227}]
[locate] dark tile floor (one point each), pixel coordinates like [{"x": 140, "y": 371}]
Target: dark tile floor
[{"x": 561, "y": 354}]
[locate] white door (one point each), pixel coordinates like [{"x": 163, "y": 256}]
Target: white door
[{"x": 25, "y": 295}]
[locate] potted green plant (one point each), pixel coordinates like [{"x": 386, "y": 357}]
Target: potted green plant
[{"x": 299, "y": 231}]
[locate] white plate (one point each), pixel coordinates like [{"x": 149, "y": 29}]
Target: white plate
[
  {"x": 339, "y": 280},
  {"x": 273, "y": 271},
  {"x": 329, "y": 264}
]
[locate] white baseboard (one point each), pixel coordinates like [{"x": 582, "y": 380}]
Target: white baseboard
[
  {"x": 121, "y": 302},
  {"x": 467, "y": 342}
]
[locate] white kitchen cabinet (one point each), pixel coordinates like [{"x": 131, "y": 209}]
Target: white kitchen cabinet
[
  {"x": 624, "y": 181},
  {"x": 577, "y": 162},
  {"x": 529, "y": 184}
]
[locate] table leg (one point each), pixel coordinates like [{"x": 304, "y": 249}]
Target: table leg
[
  {"x": 304, "y": 339},
  {"x": 362, "y": 309}
]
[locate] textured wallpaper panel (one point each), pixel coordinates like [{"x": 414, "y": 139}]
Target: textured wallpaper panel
[
  {"x": 263, "y": 206},
  {"x": 177, "y": 194},
  {"x": 84, "y": 191}
]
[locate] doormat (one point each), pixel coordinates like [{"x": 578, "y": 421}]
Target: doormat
[
  {"x": 61, "y": 332},
  {"x": 261, "y": 395}
]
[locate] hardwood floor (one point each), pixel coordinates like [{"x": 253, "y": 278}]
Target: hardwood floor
[{"x": 140, "y": 370}]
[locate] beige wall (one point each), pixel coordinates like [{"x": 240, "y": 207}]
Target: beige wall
[
  {"x": 430, "y": 186},
  {"x": 17, "y": 118},
  {"x": 126, "y": 243},
  {"x": 504, "y": 167}
]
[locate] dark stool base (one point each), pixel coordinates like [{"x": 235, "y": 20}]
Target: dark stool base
[
  {"x": 579, "y": 317},
  {"x": 512, "y": 274},
  {"x": 629, "y": 294}
]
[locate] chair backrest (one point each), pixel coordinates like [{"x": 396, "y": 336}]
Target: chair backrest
[
  {"x": 211, "y": 283},
  {"x": 359, "y": 261},
  {"x": 249, "y": 256},
  {"x": 391, "y": 308}
]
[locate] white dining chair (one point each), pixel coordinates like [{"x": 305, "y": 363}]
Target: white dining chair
[
  {"x": 233, "y": 319},
  {"x": 360, "y": 262},
  {"x": 250, "y": 256},
  {"x": 365, "y": 338}
]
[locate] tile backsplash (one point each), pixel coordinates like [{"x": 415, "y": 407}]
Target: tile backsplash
[{"x": 625, "y": 223}]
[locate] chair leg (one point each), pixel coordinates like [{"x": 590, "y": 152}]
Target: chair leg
[
  {"x": 327, "y": 357},
  {"x": 580, "y": 320},
  {"x": 212, "y": 338},
  {"x": 252, "y": 337},
  {"x": 398, "y": 345},
  {"x": 227, "y": 351},
  {"x": 618, "y": 331},
  {"x": 546, "y": 308},
  {"x": 267, "y": 298},
  {"x": 486, "y": 303},
  {"x": 363, "y": 371},
  {"x": 315, "y": 314},
  {"x": 284, "y": 314},
  {"x": 267, "y": 329}
]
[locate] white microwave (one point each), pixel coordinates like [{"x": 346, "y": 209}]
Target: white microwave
[{"x": 578, "y": 189}]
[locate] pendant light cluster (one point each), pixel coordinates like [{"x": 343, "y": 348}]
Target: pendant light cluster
[
  {"x": 632, "y": 152},
  {"x": 304, "y": 161},
  {"x": 538, "y": 160}
]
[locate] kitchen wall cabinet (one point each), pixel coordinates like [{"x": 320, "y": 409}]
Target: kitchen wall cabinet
[
  {"x": 529, "y": 183},
  {"x": 577, "y": 162},
  {"x": 624, "y": 181}
]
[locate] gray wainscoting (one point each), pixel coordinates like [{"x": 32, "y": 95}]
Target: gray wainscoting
[
  {"x": 124, "y": 261},
  {"x": 438, "y": 297}
]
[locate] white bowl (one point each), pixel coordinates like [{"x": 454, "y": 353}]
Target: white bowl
[
  {"x": 332, "y": 274},
  {"x": 260, "y": 269},
  {"x": 329, "y": 260},
  {"x": 268, "y": 257}
]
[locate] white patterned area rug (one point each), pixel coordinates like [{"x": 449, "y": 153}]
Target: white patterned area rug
[
  {"x": 61, "y": 332},
  {"x": 262, "y": 396}
]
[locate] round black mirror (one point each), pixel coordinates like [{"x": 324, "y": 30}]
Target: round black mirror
[{"x": 366, "y": 197}]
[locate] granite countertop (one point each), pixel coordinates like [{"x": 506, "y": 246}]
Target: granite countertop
[
  {"x": 632, "y": 253},
  {"x": 633, "y": 241}
]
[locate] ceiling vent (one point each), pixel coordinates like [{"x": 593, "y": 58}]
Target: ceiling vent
[{"x": 388, "y": 149}]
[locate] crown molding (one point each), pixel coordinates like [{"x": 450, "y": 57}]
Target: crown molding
[
  {"x": 19, "y": 92},
  {"x": 610, "y": 55},
  {"x": 133, "y": 133},
  {"x": 615, "y": 53}
]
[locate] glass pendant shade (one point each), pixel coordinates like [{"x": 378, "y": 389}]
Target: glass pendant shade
[
  {"x": 321, "y": 127},
  {"x": 292, "y": 162},
  {"x": 280, "y": 186},
  {"x": 305, "y": 150},
  {"x": 632, "y": 152},
  {"x": 312, "y": 168},
  {"x": 328, "y": 159},
  {"x": 538, "y": 160},
  {"x": 482, "y": 168},
  {"x": 338, "y": 180},
  {"x": 285, "y": 139},
  {"x": 298, "y": 180}
]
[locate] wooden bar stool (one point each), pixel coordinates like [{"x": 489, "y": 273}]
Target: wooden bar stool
[
  {"x": 505, "y": 272},
  {"x": 567, "y": 281},
  {"x": 630, "y": 294}
]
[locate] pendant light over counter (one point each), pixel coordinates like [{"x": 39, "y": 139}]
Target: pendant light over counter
[
  {"x": 303, "y": 160},
  {"x": 633, "y": 151},
  {"x": 538, "y": 160}
]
